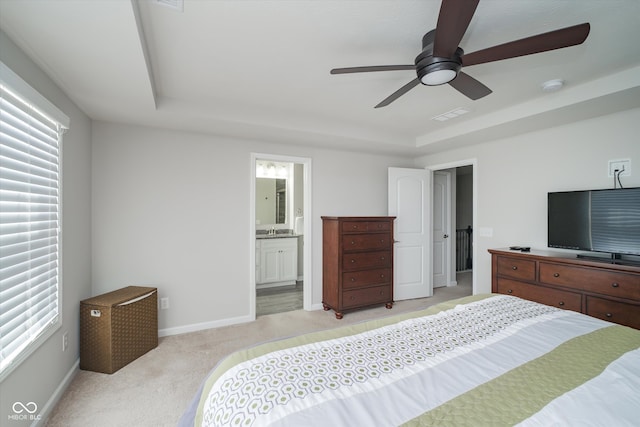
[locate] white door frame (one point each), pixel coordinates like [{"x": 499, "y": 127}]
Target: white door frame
[
  {"x": 307, "y": 265},
  {"x": 474, "y": 163}
]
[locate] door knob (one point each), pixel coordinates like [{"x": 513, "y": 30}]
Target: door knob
[{"x": 446, "y": 236}]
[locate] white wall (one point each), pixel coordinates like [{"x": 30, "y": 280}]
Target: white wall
[
  {"x": 515, "y": 174},
  {"x": 37, "y": 379},
  {"x": 171, "y": 209}
]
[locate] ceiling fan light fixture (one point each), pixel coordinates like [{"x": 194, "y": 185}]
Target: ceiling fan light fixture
[
  {"x": 438, "y": 77},
  {"x": 433, "y": 71}
]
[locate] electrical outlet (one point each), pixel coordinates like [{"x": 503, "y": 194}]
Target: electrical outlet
[
  {"x": 164, "y": 303},
  {"x": 623, "y": 165},
  {"x": 65, "y": 341}
]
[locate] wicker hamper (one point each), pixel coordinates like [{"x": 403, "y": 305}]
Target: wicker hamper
[{"x": 117, "y": 328}]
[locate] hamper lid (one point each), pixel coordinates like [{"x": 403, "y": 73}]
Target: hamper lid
[{"x": 120, "y": 296}]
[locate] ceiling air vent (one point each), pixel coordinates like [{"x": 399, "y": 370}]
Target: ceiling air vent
[
  {"x": 450, "y": 114},
  {"x": 173, "y": 4}
]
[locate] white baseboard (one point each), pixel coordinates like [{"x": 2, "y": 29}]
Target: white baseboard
[
  {"x": 275, "y": 284},
  {"x": 45, "y": 412},
  {"x": 214, "y": 324},
  {"x": 202, "y": 326}
]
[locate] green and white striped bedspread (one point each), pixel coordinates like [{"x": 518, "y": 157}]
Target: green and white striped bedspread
[{"x": 479, "y": 361}]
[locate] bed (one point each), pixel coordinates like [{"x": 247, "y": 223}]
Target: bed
[{"x": 484, "y": 360}]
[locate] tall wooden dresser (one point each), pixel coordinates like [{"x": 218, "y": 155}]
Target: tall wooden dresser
[{"x": 357, "y": 262}]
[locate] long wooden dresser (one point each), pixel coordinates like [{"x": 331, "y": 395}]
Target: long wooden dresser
[
  {"x": 357, "y": 262},
  {"x": 597, "y": 288}
]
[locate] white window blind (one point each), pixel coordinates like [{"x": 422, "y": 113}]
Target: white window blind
[{"x": 30, "y": 221}]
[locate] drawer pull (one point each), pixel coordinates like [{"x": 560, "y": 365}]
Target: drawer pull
[
  {"x": 561, "y": 303},
  {"x": 381, "y": 292},
  {"x": 382, "y": 276},
  {"x": 556, "y": 274},
  {"x": 609, "y": 315},
  {"x": 510, "y": 291},
  {"x": 353, "y": 261},
  {"x": 353, "y": 279},
  {"x": 614, "y": 285},
  {"x": 381, "y": 258},
  {"x": 514, "y": 267},
  {"x": 381, "y": 240},
  {"x": 353, "y": 243}
]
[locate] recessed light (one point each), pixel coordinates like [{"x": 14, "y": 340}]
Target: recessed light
[{"x": 552, "y": 85}]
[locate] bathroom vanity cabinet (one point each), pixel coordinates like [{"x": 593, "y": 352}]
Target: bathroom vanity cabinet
[{"x": 276, "y": 261}]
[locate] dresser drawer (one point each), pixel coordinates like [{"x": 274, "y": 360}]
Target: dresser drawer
[
  {"x": 359, "y": 242},
  {"x": 516, "y": 268},
  {"x": 554, "y": 297},
  {"x": 366, "y": 296},
  {"x": 362, "y": 260},
  {"x": 361, "y": 278},
  {"x": 365, "y": 226},
  {"x": 614, "y": 311},
  {"x": 611, "y": 283}
]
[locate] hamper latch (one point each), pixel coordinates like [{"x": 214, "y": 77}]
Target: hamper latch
[{"x": 95, "y": 313}]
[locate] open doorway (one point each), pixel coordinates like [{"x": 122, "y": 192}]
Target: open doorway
[
  {"x": 463, "y": 238},
  {"x": 453, "y": 199},
  {"x": 280, "y": 224}
]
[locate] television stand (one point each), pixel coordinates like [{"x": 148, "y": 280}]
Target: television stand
[{"x": 599, "y": 289}]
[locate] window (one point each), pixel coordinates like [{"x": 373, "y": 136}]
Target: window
[{"x": 31, "y": 131}]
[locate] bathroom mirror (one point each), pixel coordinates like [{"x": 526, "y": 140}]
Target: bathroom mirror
[{"x": 271, "y": 201}]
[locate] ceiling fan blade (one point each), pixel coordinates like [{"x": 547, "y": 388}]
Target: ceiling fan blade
[
  {"x": 453, "y": 21},
  {"x": 397, "y": 94},
  {"x": 552, "y": 40},
  {"x": 469, "y": 87},
  {"x": 372, "y": 68}
]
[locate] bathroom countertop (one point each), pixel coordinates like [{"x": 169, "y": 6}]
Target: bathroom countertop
[{"x": 276, "y": 236}]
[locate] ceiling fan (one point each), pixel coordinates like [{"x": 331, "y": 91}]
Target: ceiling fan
[{"x": 441, "y": 60}]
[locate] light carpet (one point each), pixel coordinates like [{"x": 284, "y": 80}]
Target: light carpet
[{"x": 155, "y": 389}]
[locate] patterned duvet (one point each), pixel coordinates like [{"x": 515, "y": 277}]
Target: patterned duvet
[{"x": 483, "y": 360}]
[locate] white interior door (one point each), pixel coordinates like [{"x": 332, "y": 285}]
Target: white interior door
[
  {"x": 409, "y": 194},
  {"x": 441, "y": 228}
]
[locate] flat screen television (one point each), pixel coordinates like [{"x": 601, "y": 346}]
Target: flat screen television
[{"x": 595, "y": 220}]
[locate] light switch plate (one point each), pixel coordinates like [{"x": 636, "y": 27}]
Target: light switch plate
[{"x": 485, "y": 232}]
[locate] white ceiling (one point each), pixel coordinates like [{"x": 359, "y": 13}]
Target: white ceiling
[{"x": 260, "y": 69}]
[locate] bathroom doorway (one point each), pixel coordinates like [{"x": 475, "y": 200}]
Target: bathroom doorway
[{"x": 280, "y": 234}]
